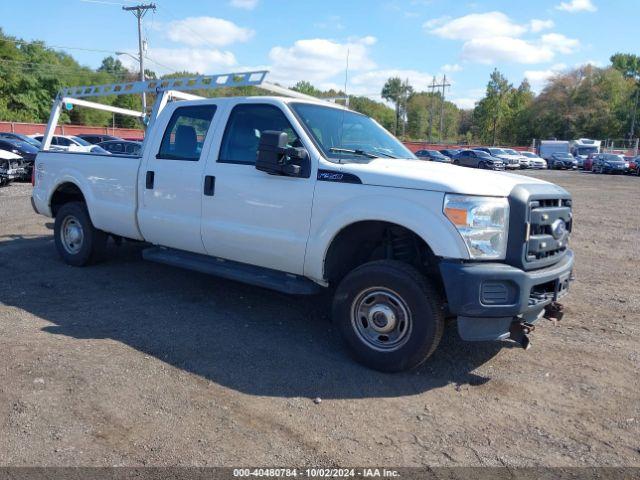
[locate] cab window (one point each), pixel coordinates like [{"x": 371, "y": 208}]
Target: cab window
[{"x": 185, "y": 133}]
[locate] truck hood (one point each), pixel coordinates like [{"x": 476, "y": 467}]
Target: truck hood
[{"x": 434, "y": 176}]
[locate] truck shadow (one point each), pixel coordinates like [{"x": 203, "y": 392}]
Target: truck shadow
[{"x": 245, "y": 338}]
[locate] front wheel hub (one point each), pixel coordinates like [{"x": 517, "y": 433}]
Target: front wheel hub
[{"x": 381, "y": 319}]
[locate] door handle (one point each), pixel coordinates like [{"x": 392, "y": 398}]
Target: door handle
[
  {"x": 209, "y": 185},
  {"x": 149, "y": 180}
]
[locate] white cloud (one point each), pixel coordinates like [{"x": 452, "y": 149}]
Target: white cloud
[
  {"x": 371, "y": 83},
  {"x": 493, "y": 37},
  {"x": 199, "y": 31},
  {"x": 505, "y": 49},
  {"x": 560, "y": 43},
  {"x": 318, "y": 59},
  {"x": 537, "y": 25},
  {"x": 203, "y": 61},
  {"x": 450, "y": 68},
  {"x": 538, "y": 78},
  {"x": 476, "y": 25},
  {"x": 573, "y": 6},
  {"x": 246, "y": 4},
  {"x": 465, "y": 103},
  {"x": 434, "y": 22}
]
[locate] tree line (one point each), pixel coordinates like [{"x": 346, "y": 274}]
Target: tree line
[{"x": 583, "y": 102}]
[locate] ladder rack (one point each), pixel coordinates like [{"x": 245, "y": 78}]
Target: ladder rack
[{"x": 166, "y": 90}]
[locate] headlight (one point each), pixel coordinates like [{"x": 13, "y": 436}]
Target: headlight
[{"x": 482, "y": 222}]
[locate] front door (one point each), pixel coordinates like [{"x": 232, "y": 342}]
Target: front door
[
  {"x": 250, "y": 216},
  {"x": 171, "y": 180}
]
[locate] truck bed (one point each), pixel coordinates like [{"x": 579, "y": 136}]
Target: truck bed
[{"x": 108, "y": 182}]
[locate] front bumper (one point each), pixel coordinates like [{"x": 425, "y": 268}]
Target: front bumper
[
  {"x": 487, "y": 297},
  {"x": 614, "y": 169}
]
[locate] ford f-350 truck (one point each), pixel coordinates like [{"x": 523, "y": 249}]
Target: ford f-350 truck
[{"x": 297, "y": 195}]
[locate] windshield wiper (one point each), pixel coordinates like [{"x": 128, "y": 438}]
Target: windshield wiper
[{"x": 361, "y": 153}]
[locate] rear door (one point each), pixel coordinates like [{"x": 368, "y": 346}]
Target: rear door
[{"x": 170, "y": 181}]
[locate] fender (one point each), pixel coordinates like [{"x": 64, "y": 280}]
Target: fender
[{"x": 382, "y": 204}]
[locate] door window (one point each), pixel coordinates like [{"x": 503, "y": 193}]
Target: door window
[
  {"x": 185, "y": 133},
  {"x": 245, "y": 125}
]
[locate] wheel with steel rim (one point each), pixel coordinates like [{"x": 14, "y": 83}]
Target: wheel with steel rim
[
  {"x": 389, "y": 314},
  {"x": 78, "y": 242},
  {"x": 71, "y": 234},
  {"x": 381, "y": 319}
]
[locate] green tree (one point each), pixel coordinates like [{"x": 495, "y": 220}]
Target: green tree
[
  {"x": 629, "y": 65},
  {"x": 397, "y": 91},
  {"x": 493, "y": 108}
]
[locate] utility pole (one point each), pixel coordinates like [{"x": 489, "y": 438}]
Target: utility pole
[
  {"x": 444, "y": 85},
  {"x": 139, "y": 11},
  {"x": 432, "y": 87}
]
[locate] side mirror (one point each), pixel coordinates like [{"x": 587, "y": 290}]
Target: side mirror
[{"x": 275, "y": 158}]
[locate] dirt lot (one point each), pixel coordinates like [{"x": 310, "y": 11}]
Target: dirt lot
[{"x": 133, "y": 363}]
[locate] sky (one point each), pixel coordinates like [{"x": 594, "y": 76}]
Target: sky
[{"x": 314, "y": 40}]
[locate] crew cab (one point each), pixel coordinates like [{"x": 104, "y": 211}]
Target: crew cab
[{"x": 299, "y": 195}]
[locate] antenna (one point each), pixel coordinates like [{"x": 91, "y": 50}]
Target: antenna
[{"x": 346, "y": 102}]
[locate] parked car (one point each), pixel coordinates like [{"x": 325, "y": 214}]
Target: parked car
[
  {"x": 588, "y": 162},
  {"x": 634, "y": 166},
  {"x": 450, "y": 152},
  {"x": 71, "y": 143},
  {"x": 609, "y": 163},
  {"x": 478, "y": 159},
  {"x": 122, "y": 147},
  {"x": 433, "y": 155},
  {"x": 562, "y": 161},
  {"x": 23, "y": 149},
  {"x": 534, "y": 160},
  {"x": 511, "y": 162},
  {"x": 523, "y": 160},
  {"x": 300, "y": 195},
  {"x": 97, "y": 138},
  {"x": 10, "y": 168}
]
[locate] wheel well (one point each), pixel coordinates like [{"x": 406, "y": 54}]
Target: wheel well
[
  {"x": 65, "y": 193},
  {"x": 366, "y": 241}
]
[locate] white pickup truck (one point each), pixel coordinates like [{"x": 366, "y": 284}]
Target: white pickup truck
[{"x": 296, "y": 194}]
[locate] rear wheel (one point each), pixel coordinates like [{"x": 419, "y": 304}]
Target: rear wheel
[
  {"x": 78, "y": 242},
  {"x": 482, "y": 165},
  {"x": 389, "y": 314},
  {"x": 456, "y": 162}
]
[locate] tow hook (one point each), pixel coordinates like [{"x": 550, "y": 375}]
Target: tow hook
[
  {"x": 554, "y": 312},
  {"x": 519, "y": 332}
]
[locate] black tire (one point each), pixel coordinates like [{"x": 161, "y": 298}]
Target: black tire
[
  {"x": 482, "y": 165},
  {"x": 456, "y": 162},
  {"x": 90, "y": 248},
  {"x": 423, "y": 328}
]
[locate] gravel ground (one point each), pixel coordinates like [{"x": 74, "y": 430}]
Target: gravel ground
[{"x": 133, "y": 363}]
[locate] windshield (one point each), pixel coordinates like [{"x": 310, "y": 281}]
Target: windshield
[
  {"x": 497, "y": 151},
  {"x": 482, "y": 154},
  {"x": 81, "y": 141},
  {"x": 529, "y": 154},
  {"x": 23, "y": 138},
  {"x": 25, "y": 147},
  {"x": 586, "y": 150},
  {"x": 510, "y": 151},
  {"x": 343, "y": 134},
  {"x": 564, "y": 155}
]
